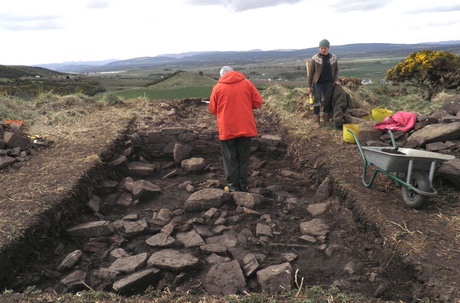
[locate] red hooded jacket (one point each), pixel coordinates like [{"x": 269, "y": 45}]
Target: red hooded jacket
[{"x": 232, "y": 100}]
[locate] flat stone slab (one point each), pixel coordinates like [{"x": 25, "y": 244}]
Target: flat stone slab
[{"x": 171, "y": 259}]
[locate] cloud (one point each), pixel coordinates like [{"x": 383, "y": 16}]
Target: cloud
[
  {"x": 98, "y": 4},
  {"x": 242, "y": 5},
  {"x": 437, "y": 9},
  {"x": 344, "y": 6},
  {"x": 30, "y": 23}
]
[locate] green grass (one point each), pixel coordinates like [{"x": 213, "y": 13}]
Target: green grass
[
  {"x": 16, "y": 109},
  {"x": 181, "y": 86},
  {"x": 313, "y": 294},
  {"x": 370, "y": 68},
  {"x": 166, "y": 94}
]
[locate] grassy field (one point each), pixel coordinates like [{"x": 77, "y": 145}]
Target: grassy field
[
  {"x": 166, "y": 94},
  {"x": 197, "y": 81},
  {"x": 289, "y": 73},
  {"x": 370, "y": 68}
]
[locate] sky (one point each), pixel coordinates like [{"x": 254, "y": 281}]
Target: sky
[{"x": 36, "y": 32}]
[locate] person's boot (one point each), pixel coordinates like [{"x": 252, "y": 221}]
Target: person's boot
[
  {"x": 317, "y": 120},
  {"x": 326, "y": 118}
]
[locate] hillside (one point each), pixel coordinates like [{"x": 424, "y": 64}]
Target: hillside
[
  {"x": 12, "y": 72},
  {"x": 363, "y": 50},
  {"x": 28, "y": 82}
]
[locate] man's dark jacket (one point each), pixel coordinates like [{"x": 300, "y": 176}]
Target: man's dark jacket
[{"x": 337, "y": 102}]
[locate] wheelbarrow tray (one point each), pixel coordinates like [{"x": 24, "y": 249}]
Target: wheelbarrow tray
[
  {"x": 418, "y": 165},
  {"x": 391, "y": 161}
]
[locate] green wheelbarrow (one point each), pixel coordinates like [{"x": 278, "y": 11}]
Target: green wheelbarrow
[{"x": 412, "y": 169}]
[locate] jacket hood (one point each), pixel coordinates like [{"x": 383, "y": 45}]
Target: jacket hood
[{"x": 232, "y": 77}]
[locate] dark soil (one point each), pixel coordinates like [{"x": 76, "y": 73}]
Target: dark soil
[{"x": 415, "y": 253}]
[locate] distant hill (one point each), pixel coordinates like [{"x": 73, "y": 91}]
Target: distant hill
[
  {"x": 19, "y": 71},
  {"x": 29, "y": 81},
  {"x": 367, "y": 50}
]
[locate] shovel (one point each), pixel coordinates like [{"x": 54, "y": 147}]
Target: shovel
[{"x": 310, "y": 97}]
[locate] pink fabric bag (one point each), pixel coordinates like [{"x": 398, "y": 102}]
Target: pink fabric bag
[{"x": 403, "y": 121}]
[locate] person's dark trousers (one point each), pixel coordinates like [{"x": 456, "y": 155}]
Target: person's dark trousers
[
  {"x": 235, "y": 154},
  {"x": 319, "y": 91}
]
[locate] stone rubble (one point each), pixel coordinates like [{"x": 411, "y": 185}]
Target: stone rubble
[
  {"x": 172, "y": 242},
  {"x": 162, "y": 246},
  {"x": 16, "y": 147},
  {"x": 198, "y": 234}
]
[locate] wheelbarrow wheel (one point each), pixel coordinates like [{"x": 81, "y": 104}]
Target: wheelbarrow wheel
[{"x": 420, "y": 181}]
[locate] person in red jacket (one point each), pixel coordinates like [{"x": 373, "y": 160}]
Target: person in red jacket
[{"x": 232, "y": 101}]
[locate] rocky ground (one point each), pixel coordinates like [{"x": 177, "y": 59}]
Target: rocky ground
[{"x": 154, "y": 209}]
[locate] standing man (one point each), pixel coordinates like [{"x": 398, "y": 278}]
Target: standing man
[
  {"x": 232, "y": 100},
  {"x": 323, "y": 73}
]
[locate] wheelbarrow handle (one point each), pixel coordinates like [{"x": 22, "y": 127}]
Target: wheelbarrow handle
[
  {"x": 366, "y": 163},
  {"x": 392, "y": 137}
]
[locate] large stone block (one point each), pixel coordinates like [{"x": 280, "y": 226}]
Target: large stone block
[{"x": 14, "y": 140}]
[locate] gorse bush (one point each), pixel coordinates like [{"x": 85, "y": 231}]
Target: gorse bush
[{"x": 429, "y": 71}]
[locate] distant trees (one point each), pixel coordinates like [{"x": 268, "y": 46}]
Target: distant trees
[{"x": 429, "y": 71}]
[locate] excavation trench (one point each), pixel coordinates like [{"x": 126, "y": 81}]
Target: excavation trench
[{"x": 292, "y": 190}]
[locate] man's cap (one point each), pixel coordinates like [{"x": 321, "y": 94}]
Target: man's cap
[{"x": 325, "y": 43}]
